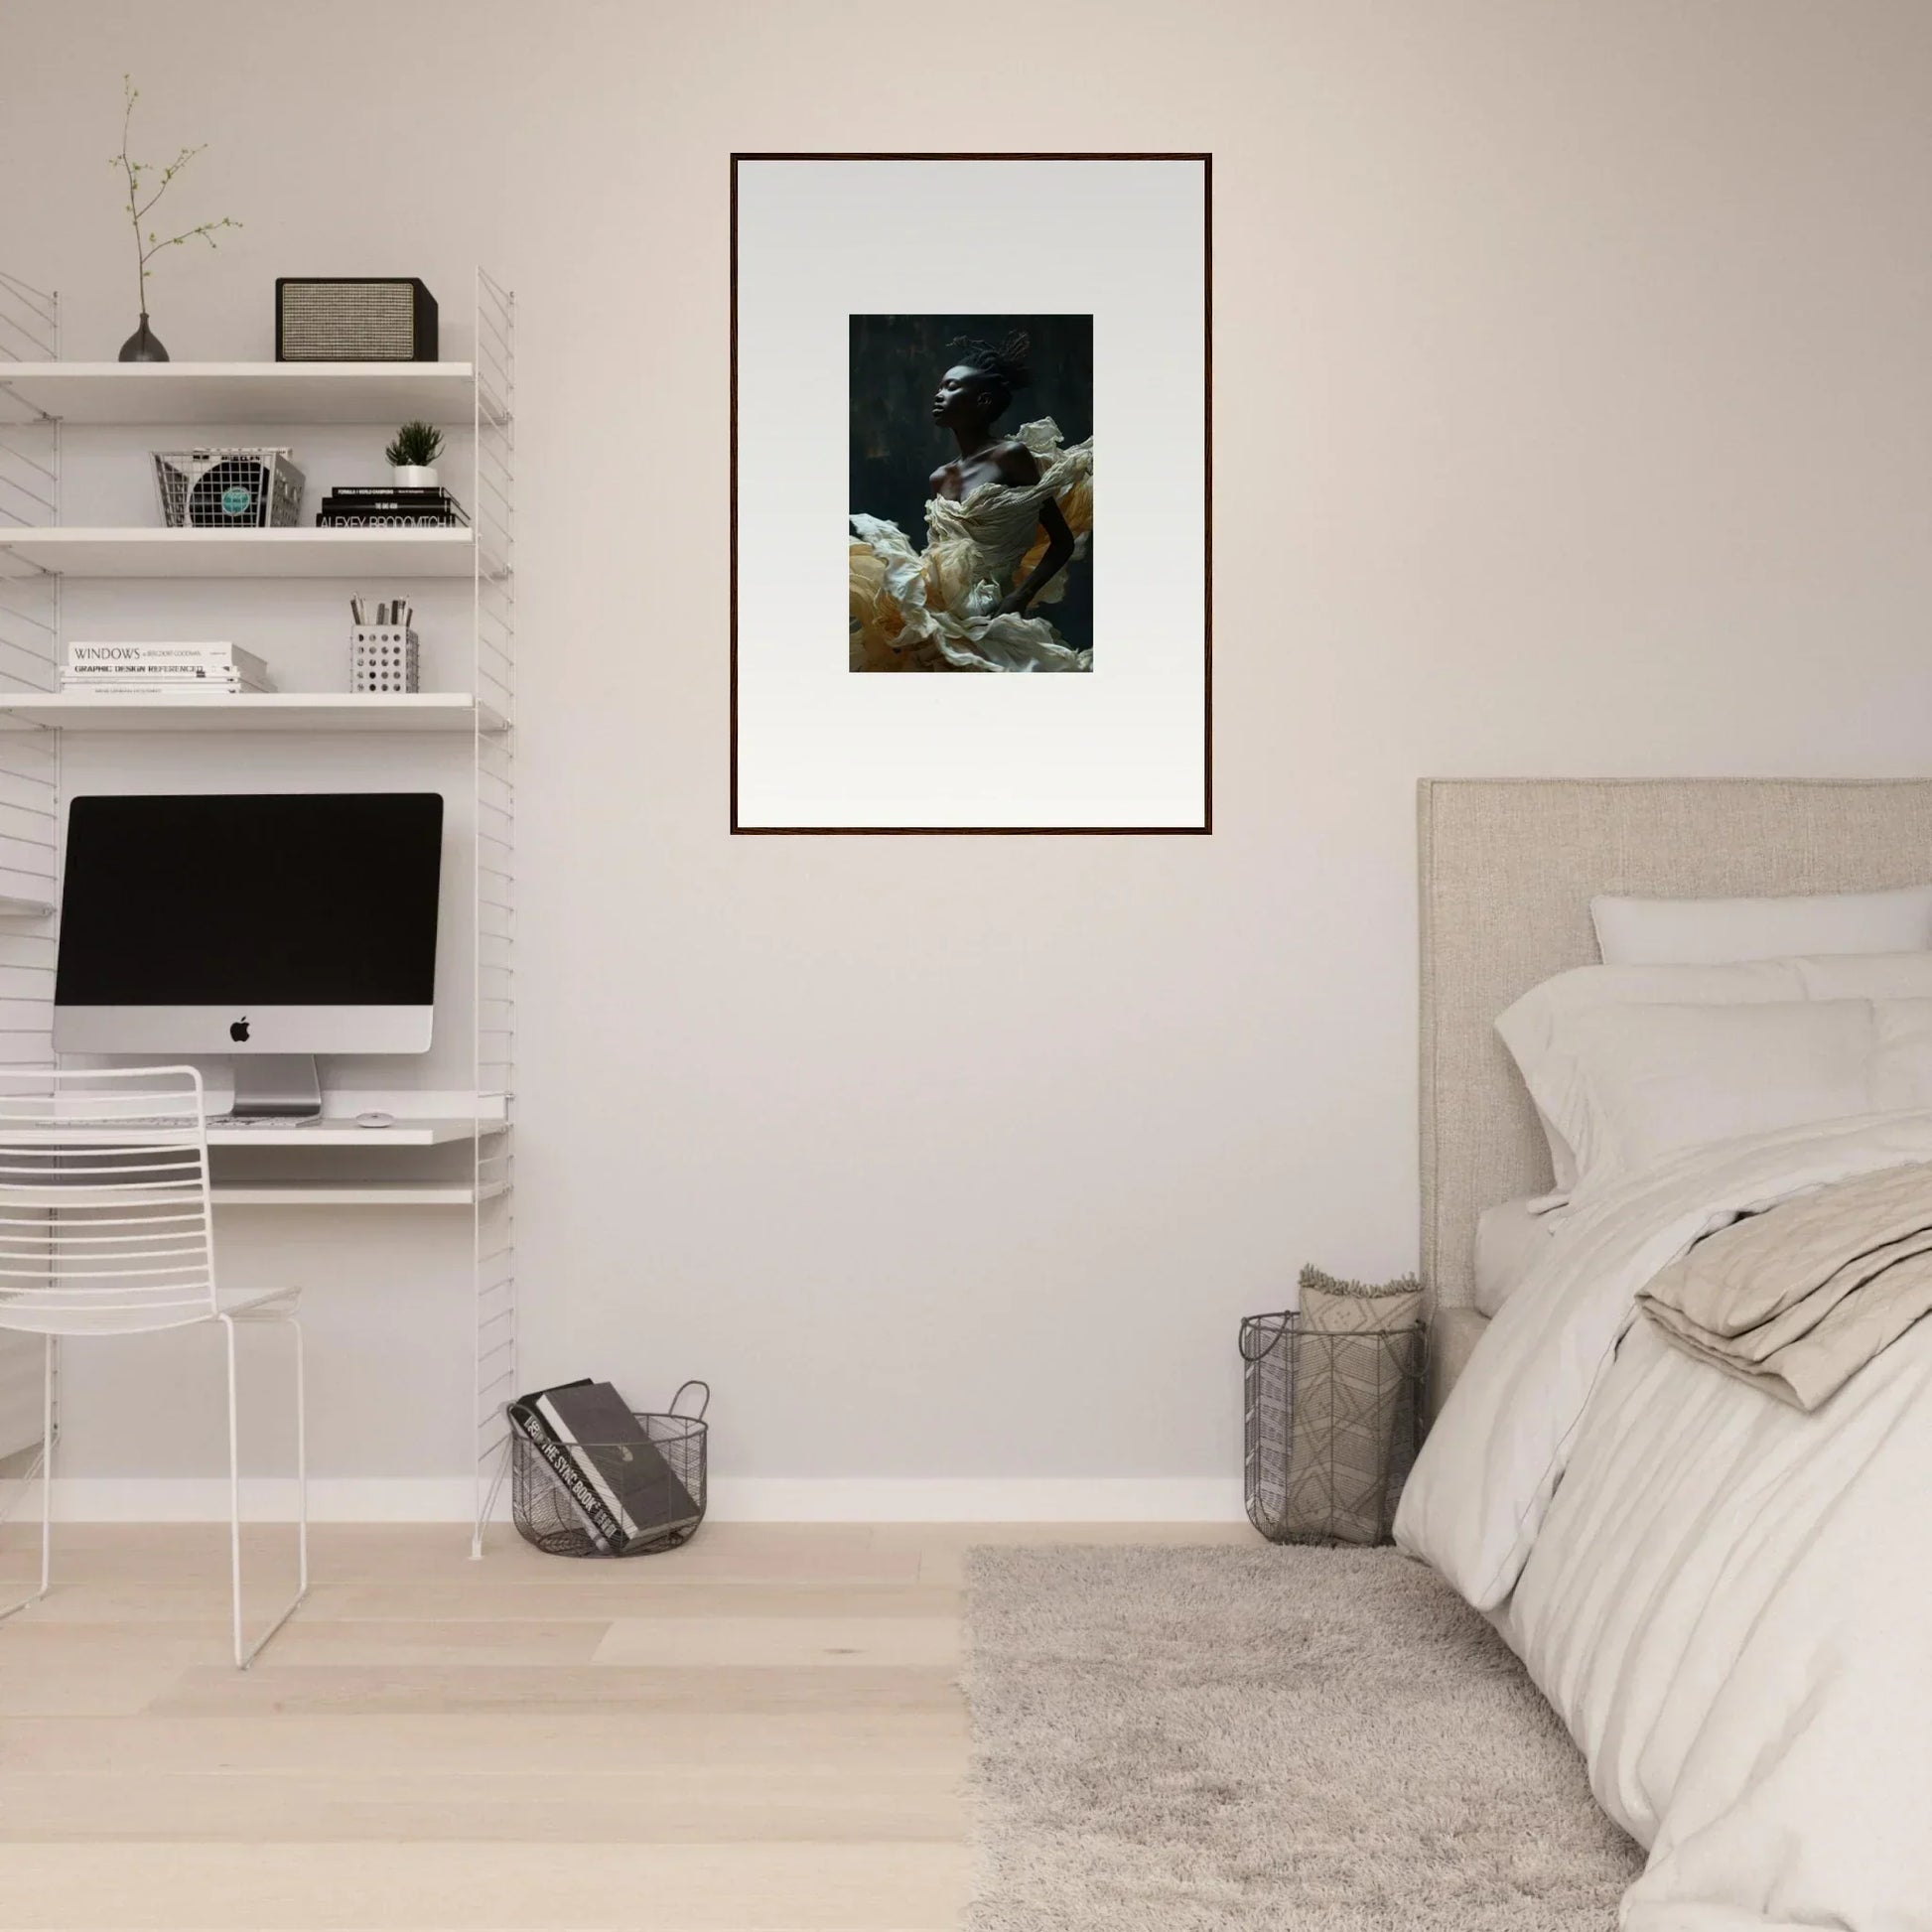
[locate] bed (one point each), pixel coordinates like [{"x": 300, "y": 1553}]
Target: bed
[{"x": 1723, "y": 1597}]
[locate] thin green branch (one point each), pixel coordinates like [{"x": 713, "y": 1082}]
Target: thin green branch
[{"x": 148, "y": 246}]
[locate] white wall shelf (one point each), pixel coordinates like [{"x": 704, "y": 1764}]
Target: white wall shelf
[
  {"x": 310, "y": 552},
  {"x": 216, "y": 394},
  {"x": 266, "y": 711}
]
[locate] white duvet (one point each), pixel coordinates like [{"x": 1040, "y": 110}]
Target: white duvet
[{"x": 1728, "y": 1601}]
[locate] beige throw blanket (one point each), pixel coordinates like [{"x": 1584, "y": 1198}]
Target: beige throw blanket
[{"x": 1799, "y": 1299}]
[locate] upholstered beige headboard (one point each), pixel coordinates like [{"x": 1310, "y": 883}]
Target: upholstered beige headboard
[{"x": 1507, "y": 870}]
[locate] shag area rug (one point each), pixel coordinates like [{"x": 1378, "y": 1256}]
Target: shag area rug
[{"x": 1178, "y": 1739}]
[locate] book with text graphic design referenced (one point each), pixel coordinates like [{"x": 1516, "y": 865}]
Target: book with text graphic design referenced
[{"x": 89, "y": 663}]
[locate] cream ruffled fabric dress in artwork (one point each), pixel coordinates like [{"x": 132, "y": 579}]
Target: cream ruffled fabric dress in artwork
[{"x": 936, "y": 610}]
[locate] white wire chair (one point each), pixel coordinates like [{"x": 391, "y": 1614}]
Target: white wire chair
[{"x": 106, "y": 1229}]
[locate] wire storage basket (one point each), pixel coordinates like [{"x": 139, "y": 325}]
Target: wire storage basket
[
  {"x": 227, "y": 489},
  {"x": 1332, "y": 1424},
  {"x": 548, "y": 1515}
]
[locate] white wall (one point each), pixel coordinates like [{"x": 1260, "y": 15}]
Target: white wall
[{"x": 1574, "y": 385}]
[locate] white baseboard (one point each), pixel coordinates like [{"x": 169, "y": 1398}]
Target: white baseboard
[
  {"x": 732, "y": 1499},
  {"x": 972, "y": 1499}
]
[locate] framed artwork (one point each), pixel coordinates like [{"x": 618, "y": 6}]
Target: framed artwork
[{"x": 971, "y": 406}]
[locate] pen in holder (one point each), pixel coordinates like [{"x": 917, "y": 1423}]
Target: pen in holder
[{"x": 383, "y": 658}]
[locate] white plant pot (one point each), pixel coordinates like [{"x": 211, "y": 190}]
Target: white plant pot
[{"x": 415, "y": 475}]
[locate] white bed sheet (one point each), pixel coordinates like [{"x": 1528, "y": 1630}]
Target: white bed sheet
[
  {"x": 1510, "y": 1242},
  {"x": 1723, "y": 1597}
]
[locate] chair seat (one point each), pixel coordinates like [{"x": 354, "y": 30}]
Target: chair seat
[{"x": 259, "y": 1303}]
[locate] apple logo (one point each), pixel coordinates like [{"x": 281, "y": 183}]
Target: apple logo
[{"x": 239, "y": 1030}]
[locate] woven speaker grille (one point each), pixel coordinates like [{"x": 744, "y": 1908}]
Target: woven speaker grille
[{"x": 366, "y": 322}]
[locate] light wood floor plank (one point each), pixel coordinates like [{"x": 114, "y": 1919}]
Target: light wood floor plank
[
  {"x": 515, "y": 1887},
  {"x": 829, "y": 1642},
  {"x": 557, "y": 1690},
  {"x": 311, "y": 1640},
  {"x": 694, "y": 1804},
  {"x": 105, "y": 1688},
  {"x": 438, "y": 1748},
  {"x": 485, "y": 1598}
]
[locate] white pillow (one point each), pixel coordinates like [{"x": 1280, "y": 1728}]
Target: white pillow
[
  {"x": 1628, "y": 1086},
  {"x": 1717, "y": 931},
  {"x": 1530, "y": 1027}
]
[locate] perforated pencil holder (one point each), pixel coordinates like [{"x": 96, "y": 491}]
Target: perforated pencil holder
[{"x": 382, "y": 657}]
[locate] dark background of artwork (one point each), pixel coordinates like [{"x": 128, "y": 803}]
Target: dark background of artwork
[{"x": 897, "y": 364}]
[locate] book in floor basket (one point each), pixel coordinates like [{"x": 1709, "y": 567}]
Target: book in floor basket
[{"x": 627, "y": 1495}]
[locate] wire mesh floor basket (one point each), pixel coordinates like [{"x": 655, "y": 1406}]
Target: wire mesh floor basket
[
  {"x": 546, "y": 1515},
  {"x": 1333, "y": 1427}
]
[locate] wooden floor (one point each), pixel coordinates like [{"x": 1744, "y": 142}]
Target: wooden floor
[{"x": 760, "y": 1733}]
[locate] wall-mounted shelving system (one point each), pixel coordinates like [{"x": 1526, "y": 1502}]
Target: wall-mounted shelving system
[{"x": 41, "y": 397}]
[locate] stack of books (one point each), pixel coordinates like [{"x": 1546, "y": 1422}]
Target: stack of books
[
  {"x": 384, "y": 506},
  {"x": 617, "y": 1478},
  {"x": 123, "y": 668}
]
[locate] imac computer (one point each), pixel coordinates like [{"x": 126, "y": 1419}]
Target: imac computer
[{"x": 267, "y": 926}]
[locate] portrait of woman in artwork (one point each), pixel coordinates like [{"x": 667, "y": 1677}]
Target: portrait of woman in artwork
[{"x": 1007, "y": 512}]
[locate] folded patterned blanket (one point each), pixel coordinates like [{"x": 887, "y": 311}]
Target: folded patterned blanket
[
  {"x": 1358, "y": 1359},
  {"x": 1799, "y": 1299}
]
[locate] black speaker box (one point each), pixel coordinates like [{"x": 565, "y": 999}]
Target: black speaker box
[{"x": 354, "y": 318}]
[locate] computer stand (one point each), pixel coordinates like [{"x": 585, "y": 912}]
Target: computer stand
[{"x": 276, "y": 1086}]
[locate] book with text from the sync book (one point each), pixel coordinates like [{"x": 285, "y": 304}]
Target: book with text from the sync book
[{"x": 617, "y": 1476}]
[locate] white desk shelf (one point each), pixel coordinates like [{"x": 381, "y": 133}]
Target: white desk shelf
[
  {"x": 425, "y": 1131},
  {"x": 72, "y": 551},
  {"x": 124, "y": 408},
  {"x": 217, "y": 393},
  {"x": 434, "y": 1132},
  {"x": 266, "y": 711},
  {"x": 351, "y": 1193}
]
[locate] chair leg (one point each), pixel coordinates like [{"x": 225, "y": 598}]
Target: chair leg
[
  {"x": 301, "y": 1461},
  {"x": 47, "y": 1485},
  {"x": 244, "y": 1652},
  {"x": 47, "y": 1433}
]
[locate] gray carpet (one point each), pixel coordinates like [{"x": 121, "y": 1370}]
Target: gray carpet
[{"x": 1299, "y": 1739}]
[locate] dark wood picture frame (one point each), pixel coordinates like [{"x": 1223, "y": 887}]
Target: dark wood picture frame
[{"x": 1206, "y": 826}]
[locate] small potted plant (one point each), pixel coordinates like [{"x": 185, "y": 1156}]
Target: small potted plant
[{"x": 412, "y": 454}]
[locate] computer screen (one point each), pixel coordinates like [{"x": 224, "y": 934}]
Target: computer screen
[{"x": 275, "y": 923}]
